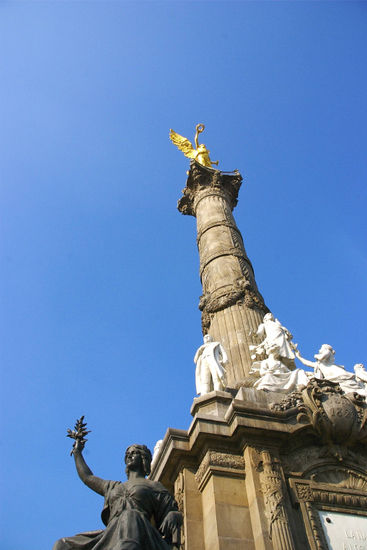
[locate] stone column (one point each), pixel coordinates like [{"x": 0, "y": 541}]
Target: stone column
[
  {"x": 265, "y": 484},
  {"x": 231, "y": 304}
]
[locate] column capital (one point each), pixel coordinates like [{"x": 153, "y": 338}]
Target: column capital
[{"x": 208, "y": 181}]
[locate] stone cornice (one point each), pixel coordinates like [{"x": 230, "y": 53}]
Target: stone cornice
[{"x": 249, "y": 418}]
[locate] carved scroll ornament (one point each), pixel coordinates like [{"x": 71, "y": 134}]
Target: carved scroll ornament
[
  {"x": 216, "y": 461},
  {"x": 338, "y": 420}
]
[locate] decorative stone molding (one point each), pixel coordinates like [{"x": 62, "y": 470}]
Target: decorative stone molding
[
  {"x": 220, "y": 251},
  {"x": 342, "y": 477},
  {"x": 180, "y": 499},
  {"x": 310, "y": 457},
  {"x": 338, "y": 420},
  {"x": 180, "y": 492},
  {"x": 274, "y": 491},
  {"x": 314, "y": 497},
  {"x": 292, "y": 400},
  {"x": 221, "y": 223},
  {"x": 314, "y": 462},
  {"x": 241, "y": 292},
  {"x": 208, "y": 181},
  {"x": 304, "y": 492},
  {"x": 219, "y": 463}
]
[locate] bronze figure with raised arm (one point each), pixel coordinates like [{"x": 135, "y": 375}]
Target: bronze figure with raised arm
[{"x": 130, "y": 508}]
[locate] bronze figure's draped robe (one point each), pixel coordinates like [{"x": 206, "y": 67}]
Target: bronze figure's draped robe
[{"x": 128, "y": 510}]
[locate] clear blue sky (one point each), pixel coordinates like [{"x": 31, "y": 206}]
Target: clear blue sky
[{"x": 99, "y": 272}]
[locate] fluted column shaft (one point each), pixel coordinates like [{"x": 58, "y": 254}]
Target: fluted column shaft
[
  {"x": 231, "y": 304},
  {"x": 274, "y": 493}
]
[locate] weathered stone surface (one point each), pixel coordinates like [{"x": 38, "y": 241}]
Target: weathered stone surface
[
  {"x": 258, "y": 475},
  {"x": 231, "y": 304},
  {"x": 256, "y": 466}
]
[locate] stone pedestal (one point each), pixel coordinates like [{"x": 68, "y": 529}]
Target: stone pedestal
[
  {"x": 254, "y": 470},
  {"x": 257, "y": 470}
]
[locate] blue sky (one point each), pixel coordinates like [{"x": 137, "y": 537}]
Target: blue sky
[{"x": 99, "y": 272}]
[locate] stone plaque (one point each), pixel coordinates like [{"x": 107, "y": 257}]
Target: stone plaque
[{"x": 344, "y": 531}]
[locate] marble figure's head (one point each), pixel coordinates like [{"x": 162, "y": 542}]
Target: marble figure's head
[
  {"x": 359, "y": 367},
  {"x": 269, "y": 317},
  {"x": 207, "y": 339},
  {"x": 326, "y": 354},
  {"x": 138, "y": 456}
]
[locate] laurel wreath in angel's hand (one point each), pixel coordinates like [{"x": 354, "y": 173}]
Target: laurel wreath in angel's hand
[{"x": 78, "y": 434}]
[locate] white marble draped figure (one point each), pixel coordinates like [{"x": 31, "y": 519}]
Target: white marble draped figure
[
  {"x": 325, "y": 368},
  {"x": 277, "y": 339},
  {"x": 277, "y": 371},
  {"x": 210, "y": 372},
  {"x": 275, "y": 376}
]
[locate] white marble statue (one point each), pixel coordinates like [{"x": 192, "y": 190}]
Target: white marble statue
[
  {"x": 157, "y": 448},
  {"x": 210, "y": 373},
  {"x": 361, "y": 374},
  {"x": 277, "y": 377},
  {"x": 325, "y": 367},
  {"x": 277, "y": 339}
]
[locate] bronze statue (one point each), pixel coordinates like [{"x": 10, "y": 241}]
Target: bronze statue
[
  {"x": 129, "y": 507},
  {"x": 200, "y": 154}
]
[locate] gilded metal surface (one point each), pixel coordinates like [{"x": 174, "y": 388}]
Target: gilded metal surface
[{"x": 200, "y": 154}]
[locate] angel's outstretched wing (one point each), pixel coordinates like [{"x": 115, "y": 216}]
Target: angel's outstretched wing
[{"x": 183, "y": 144}]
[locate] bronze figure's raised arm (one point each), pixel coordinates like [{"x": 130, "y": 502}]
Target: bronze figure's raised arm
[
  {"x": 200, "y": 154},
  {"x": 139, "y": 514}
]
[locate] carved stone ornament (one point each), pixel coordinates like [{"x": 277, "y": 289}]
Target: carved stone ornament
[
  {"x": 274, "y": 491},
  {"x": 314, "y": 497},
  {"x": 180, "y": 492},
  {"x": 292, "y": 400},
  {"x": 243, "y": 291},
  {"x": 224, "y": 463},
  {"x": 201, "y": 178},
  {"x": 319, "y": 465},
  {"x": 180, "y": 499},
  {"x": 341, "y": 477},
  {"x": 339, "y": 421}
]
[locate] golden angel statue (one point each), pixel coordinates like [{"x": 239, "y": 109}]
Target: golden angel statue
[{"x": 200, "y": 154}]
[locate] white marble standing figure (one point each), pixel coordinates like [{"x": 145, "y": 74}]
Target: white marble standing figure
[
  {"x": 277, "y": 338},
  {"x": 157, "y": 448},
  {"x": 210, "y": 373},
  {"x": 325, "y": 367}
]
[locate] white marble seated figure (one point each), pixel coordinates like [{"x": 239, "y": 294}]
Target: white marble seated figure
[
  {"x": 277, "y": 338},
  {"x": 210, "y": 373},
  {"x": 277, "y": 377},
  {"x": 325, "y": 368}
]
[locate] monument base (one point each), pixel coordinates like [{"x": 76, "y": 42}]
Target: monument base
[{"x": 257, "y": 470}]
